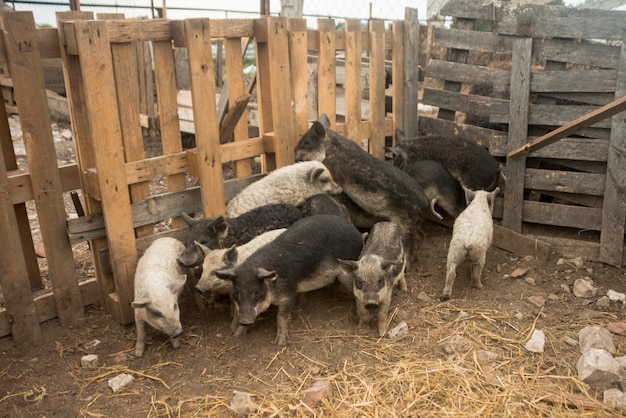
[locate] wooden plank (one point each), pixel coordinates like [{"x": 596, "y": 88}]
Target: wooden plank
[
  {"x": 14, "y": 277},
  {"x": 488, "y": 138},
  {"x": 549, "y": 114},
  {"x": 127, "y": 89},
  {"x": 587, "y": 81},
  {"x": 520, "y": 244},
  {"x": 100, "y": 97},
  {"x": 352, "y": 83},
  {"x": 604, "y": 112},
  {"x": 27, "y": 75},
  {"x": 564, "y": 181},
  {"x": 237, "y": 113},
  {"x": 326, "y": 89},
  {"x": 614, "y": 208},
  {"x": 282, "y": 111},
  {"x": 298, "y": 42},
  {"x": 264, "y": 90},
  {"x": 562, "y": 215},
  {"x": 377, "y": 89},
  {"x": 198, "y": 39},
  {"x": 518, "y": 131},
  {"x": 397, "y": 73},
  {"x": 495, "y": 79},
  {"x": 577, "y": 52},
  {"x": 575, "y": 149},
  {"x": 146, "y": 85},
  {"x": 472, "y": 40},
  {"x": 466, "y": 103},
  {"x": 48, "y": 43},
  {"x": 167, "y": 104},
  {"x": 411, "y": 71}
]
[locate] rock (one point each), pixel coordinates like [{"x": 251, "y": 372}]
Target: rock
[
  {"x": 584, "y": 288},
  {"x": 321, "y": 389},
  {"x": 616, "y": 296},
  {"x": 455, "y": 344},
  {"x": 423, "y": 297},
  {"x": 92, "y": 344},
  {"x": 577, "y": 262},
  {"x": 520, "y": 271},
  {"x": 399, "y": 331},
  {"x": 603, "y": 302},
  {"x": 66, "y": 134},
  {"x": 595, "y": 337},
  {"x": 571, "y": 341},
  {"x": 614, "y": 398},
  {"x": 486, "y": 357},
  {"x": 597, "y": 368},
  {"x": 553, "y": 297},
  {"x": 242, "y": 403},
  {"x": 519, "y": 316},
  {"x": 565, "y": 288},
  {"x": 538, "y": 301},
  {"x": 618, "y": 328},
  {"x": 120, "y": 382},
  {"x": 560, "y": 262},
  {"x": 536, "y": 342},
  {"x": 530, "y": 281},
  {"x": 90, "y": 361}
]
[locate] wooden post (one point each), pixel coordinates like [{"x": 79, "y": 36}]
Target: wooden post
[
  {"x": 326, "y": 73},
  {"x": 299, "y": 73},
  {"x": 19, "y": 29},
  {"x": 411, "y": 71},
  {"x": 264, "y": 89},
  {"x": 353, "y": 92},
  {"x": 397, "y": 75},
  {"x": 518, "y": 133},
  {"x": 377, "y": 89},
  {"x": 614, "y": 207}
]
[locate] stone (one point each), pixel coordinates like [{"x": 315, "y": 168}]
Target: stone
[
  {"x": 520, "y": 271},
  {"x": 571, "y": 341},
  {"x": 617, "y": 327},
  {"x": 584, "y": 288},
  {"x": 530, "y": 280},
  {"x": 536, "y": 342},
  {"x": 538, "y": 301},
  {"x": 92, "y": 344},
  {"x": 66, "y": 134},
  {"x": 597, "y": 368},
  {"x": 242, "y": 403},
  {"x": 614, "y": 398},
  {"x": 565, "y": 288},
  {"x": 596, "y": 337},
  {"x": 616, "y": 296},
  {"x": 486, "y": 357},
  {"x": 455, "y": 344},
  {"x": 603, "y": 302},
  {"x": 399, "y": 331},
  {"x": 90, "y": 361},
  {"x": 120, "y": 382},
  {"x": 577, "y": 262},
  {"x": 321, "y": 389},
  {"x": 423, "y": 297}
]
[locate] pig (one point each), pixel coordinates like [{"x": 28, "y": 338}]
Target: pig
[
  {"x": 301, "y": 259},
  {"x": 324, "y": 204},
  {"x": 470, "y": 164},
  {"x": 292, "y": 184},
  {"x": 377, "y": 187},
  {"x": 220, "y": 232},
  {"x": 379, "y": 268},
  {"x": 159, "y": 281},
  {"x": 471, "y": 237},
  {"x": 227, "y": 258}
]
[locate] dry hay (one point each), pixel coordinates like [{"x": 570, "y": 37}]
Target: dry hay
[{"x": 413, "y": 376}]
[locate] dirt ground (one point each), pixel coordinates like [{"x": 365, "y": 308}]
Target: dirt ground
[{"x": 437, "y": 369}]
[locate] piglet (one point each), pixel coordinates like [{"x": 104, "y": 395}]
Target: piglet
[
  {"x": 159, "y": 281},
  {"x": 471, "y": 237},
  {"x": 379, "y": 268}
]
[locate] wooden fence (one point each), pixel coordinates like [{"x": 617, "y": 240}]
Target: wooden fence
[
  {"x": 113, "y": 172},
  {"x": 528, "y": 71}
]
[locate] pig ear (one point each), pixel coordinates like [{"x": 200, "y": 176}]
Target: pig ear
[
  {"x": 469, "y": 195},
  {"x": 324, "y": 121},
  {"x": 263, "y": 274},
  {"x": 225, "y": 274},
  {"x": 315, "y": 174},
  {"x": 219, "y": 227},
  {"x": 230, "y": 256},
  {"x": 180, "y": 282},
  {"x": 141, "y": 303},
  {"x": 317, "y": 130},
  {"x": 349, "y": 266},
  {"x": 188, "y": 219},
  {"x": 388, "y": 265},
  {"x": 202, "y": 248}
]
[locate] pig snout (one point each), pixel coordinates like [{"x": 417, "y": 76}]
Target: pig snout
[
  {"x": 174, "y": 330},
  {"x": 371, "y": 305},
  {"x": 246, "y": 320},
  {"x": 190, "y": 258}
]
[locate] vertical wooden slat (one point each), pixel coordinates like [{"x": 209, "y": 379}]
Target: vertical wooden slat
[
  {"x": 353, "y": 91},
  {"x": 614, "y": 206},
  {"x": 14, "y": 278},
  {"x": 26, "y": 71},
  {"x": 127, "y": 88},
  {"x": 100, "y": 97},
  {"x": 518, "y": 133},
  {"x": 83, "y": 144},
  {"x": 377, "y": 88},
  {"x": 397, "y": 75},
  {"x": 236, "y": 88},
  {"x": 198, "y": 40},
  {"x": 411, "y": 71},
  {"x": 264, "y": 88},
  {"x": 165, "y": 79},
  {"x": 146, "y": 84},
  {"x": 283, "y": 117},
  {"x": 299, "y": 73},
  {"x": 326, "y": 74}
]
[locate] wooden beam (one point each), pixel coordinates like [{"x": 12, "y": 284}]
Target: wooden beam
[{"x": 591, "y": 118}]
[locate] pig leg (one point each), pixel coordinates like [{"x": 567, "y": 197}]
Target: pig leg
[
  {"x": 364, "y": 314},
  {"x": 140, "y": 345},
  {"x": 477, "y": 271},
  {"x": 402, "y": 280},
  {"x": 450, "y": 277},
  {"x": 282, "y": 321},
  {"x": 383, "y": 312}
]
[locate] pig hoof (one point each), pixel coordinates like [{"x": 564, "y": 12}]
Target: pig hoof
[{"x": 444, "y": 298}]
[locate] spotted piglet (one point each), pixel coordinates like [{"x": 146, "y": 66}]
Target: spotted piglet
[{"x": 379, "y": 268}]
